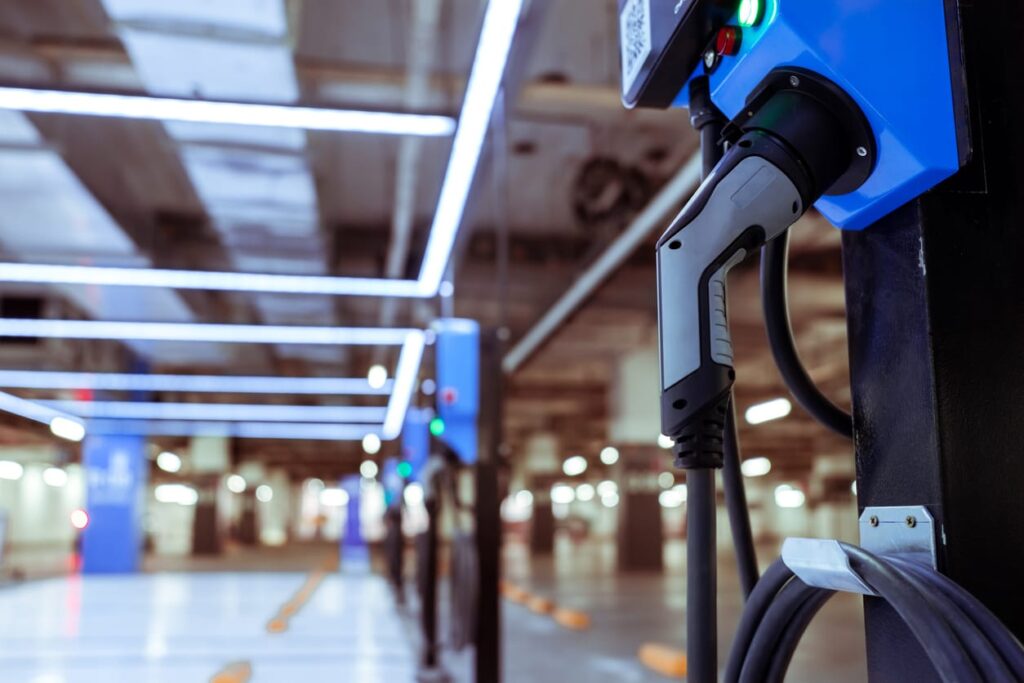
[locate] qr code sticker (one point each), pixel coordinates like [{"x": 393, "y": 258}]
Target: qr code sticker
[{"x": 635, "y": 34}]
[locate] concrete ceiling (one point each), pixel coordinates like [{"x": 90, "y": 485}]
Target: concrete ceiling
[{"x": 182, "y": 197}]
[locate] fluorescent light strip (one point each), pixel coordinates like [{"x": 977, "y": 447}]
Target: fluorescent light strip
[
  {"x": 227, "y": 412},
  {"x": 485, "y": 78},
  {"x": 232, "y": 113},
  {"x": 112, "y": 381},
  {"x": 61, "y": 424},
  {"x": 30, "y": 409},
  {"x": 482, "y": 88},
  {"x": 209, "y": 280},
  {"x": 406, "y": 374},
  {"x": 200, "y": 332},
  {"x": 402, "y": 388},
  {"x": 313, "y": 431}
]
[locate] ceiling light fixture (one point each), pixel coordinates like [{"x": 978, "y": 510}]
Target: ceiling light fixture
[
  {"x": 270, "y": 283},
  {"x": 204, "y": 332},
  {"x": 609, "y": 455},
  {"x": 574, "y": 466},
  {"x": 768, "y": 411},
  {"x": 61, "y": 424},
  {"x": 114, "y": 381},
  {"x": 377, "y": 376},
  {"x": 756, "y": 467},
  {"x": 227, "y": 412},
  {"x": 215, "y": 417},
  {"x": 309, "y": 431},
  {"x": 482, "y": 89},
  {"x": 149, "y": 107},
  {"x": 169, "y": 462}
]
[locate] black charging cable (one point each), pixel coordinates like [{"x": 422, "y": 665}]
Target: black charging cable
[
  {"x": 961, "y": 637},
  {"x": 775, "y": 301}
]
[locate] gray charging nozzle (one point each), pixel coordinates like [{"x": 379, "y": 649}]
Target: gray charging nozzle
[{"x": 792, "y": 148}]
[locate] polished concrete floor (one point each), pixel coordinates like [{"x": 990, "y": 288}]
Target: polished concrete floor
[
  {"x": 188, "y": 620},
  {"x": 175, "y": 628},
  {"x": 628, "y": 610}
]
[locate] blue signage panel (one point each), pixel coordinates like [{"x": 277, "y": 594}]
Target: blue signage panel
[
  {"x": 458, "y": 384},
  {"x": 115, "y": 471}
]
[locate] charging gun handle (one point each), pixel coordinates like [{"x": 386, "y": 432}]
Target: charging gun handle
[{"x": 753, "y": 195}]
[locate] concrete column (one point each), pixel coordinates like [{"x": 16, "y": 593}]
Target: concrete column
[
  {"x": 274, "y": 513},
  {"x": 641, "y": 532},
  {"x": 634, "y": 429},
  {"x": 210, "y": 458},
  {"x": 115, "y": 468},
  {"x": 542, "y": 462}
]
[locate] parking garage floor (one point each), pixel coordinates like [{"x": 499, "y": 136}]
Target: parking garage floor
[{"x": 299, "y": 619}]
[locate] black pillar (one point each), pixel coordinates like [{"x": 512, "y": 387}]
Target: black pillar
[
  {"x": 248, "y": 525},
  {"x": 206, "y": 538},
  {"x": 640, "y": 528},
  {"x": 542, "y": 524},
  {"x": 935, "y": 300},
  {"x": 488, "y": 496}
]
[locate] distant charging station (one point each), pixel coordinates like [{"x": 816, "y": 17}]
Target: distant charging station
[
  {"x": 458, "y": 385},
  {"x": 416, "y": 441}
]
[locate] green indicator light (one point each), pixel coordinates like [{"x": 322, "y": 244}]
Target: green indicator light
[
  {"x": 437, "y": 426},
  {"x": 750, "y": 12},
  {"x": 404, "y": 470}
]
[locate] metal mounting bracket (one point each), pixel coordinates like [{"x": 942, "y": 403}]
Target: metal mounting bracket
[{"x": 908, "y": 531}]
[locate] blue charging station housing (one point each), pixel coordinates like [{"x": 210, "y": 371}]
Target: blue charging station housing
[
  {"x": 894, "y": 58},
  {"x": 416, "y": 440},
  {"x": 457, "y": 353}
]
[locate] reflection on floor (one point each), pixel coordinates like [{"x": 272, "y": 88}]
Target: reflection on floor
[
  {"x": 628, "y": 610},
  {"x": 194, "y": 618},
  {"x": 177, "y": 628}
]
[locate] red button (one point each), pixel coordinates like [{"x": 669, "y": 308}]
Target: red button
[{"x": 727, "y": 43}]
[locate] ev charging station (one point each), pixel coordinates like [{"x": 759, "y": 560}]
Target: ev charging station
[
  {"x": 895, "y": 120},
  {"x": 437, "y": 445}
]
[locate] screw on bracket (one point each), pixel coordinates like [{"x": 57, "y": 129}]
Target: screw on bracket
[
  {"x": 873, "y": 520},
  {"x": 911, "y": 521}
]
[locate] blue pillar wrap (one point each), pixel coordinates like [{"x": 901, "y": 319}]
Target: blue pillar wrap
[
  {"x": 416, "y": 440},
  {"x": 458, "y": 384},
  {"x": 353, "y": 524},
  {"x": 115, "y": 470},
  {"x": 355, "y": 555}
]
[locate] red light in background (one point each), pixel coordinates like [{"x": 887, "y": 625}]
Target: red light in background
[
  {"x": 82, "y": 394},
  {"x": 79, "y": 519}
]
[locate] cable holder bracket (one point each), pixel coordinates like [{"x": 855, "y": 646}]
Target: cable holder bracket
[
  {"x": 822, "y": 563},
  {"x": 908, "y": 531}
]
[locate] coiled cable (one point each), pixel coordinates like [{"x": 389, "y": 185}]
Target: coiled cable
[{"x": 964, "y": 641}]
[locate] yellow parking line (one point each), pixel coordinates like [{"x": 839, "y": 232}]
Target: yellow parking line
[
  {"x": 572, "y": 619},
  {"x": 666, "y": 660},
  {"x": 236, "y": 672},
  {"x": 279, "y": 622}
]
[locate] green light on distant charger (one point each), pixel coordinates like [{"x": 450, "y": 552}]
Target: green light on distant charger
[
  {"x": 404, "y": 470},
  {"x": 750, "y": 12},
  {"x": 437, "y": 426}
]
